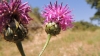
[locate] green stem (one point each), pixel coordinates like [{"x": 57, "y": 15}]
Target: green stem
[
  {"x": 47, "y": 42},
  {"x": 20, "y": 48}
]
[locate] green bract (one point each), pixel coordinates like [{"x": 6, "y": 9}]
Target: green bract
[{"x": 52, "y": 28}]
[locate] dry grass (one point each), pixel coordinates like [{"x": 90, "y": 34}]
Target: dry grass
[{"x": 68, "y": 43}]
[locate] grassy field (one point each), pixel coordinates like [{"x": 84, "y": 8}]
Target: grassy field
[{"x": 67, "y": 43}]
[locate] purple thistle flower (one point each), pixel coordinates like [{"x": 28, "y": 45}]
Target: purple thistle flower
[
  {"x": 13, "y": 10},
  {"x": 58, "y": 14}
]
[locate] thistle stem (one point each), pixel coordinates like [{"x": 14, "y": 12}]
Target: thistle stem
[
  {"x": 20, "y": 48},
  {"x": 47, "y": 42}
]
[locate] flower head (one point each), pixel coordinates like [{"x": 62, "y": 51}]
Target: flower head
[
  {"x": 59, "y": 14},
  {"x": 13, "y": 10}
]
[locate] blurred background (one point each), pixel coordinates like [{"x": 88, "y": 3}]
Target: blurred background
[{"x": 82, "y": 40}]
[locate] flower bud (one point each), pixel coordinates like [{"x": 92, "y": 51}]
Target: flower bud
[
  {"x": 15, "y": 32},
  {"x": 52, "y": 28}
]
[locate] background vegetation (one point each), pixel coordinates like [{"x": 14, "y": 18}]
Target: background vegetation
[{"x": 82, "y": 40}]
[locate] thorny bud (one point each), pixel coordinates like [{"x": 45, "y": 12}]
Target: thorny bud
[
  {"x": 15, "y": 32},
  {"x": 52, "y": 28}
]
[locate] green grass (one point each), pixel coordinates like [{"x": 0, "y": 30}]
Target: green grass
[
  {"x": 83, "y": 43},
  {"x": 78, "y": 43}
]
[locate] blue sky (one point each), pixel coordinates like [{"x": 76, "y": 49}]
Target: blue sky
[{"x": 81, "y": 10}]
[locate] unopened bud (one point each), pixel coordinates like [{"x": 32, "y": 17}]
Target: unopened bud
[
  {"x": 15, "y": 32},
  {"x": 52, "y": 28}
]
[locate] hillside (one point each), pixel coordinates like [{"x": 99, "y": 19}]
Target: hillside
[{"x": 68, "y": 43}]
